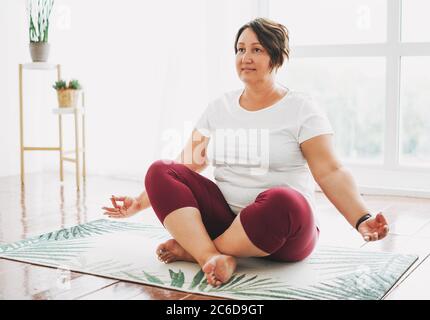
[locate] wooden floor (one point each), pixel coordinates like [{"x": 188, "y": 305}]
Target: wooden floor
[{"x": 46, "y": 205}]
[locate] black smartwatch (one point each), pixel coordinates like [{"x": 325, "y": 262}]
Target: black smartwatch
[{"x": 362, "y": 219}]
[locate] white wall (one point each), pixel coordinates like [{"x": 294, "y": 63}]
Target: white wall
[
  {"x": 147, "y": 67},
  {"x": 3, "y": 90}
]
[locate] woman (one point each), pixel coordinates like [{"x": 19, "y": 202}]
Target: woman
[{"x": 257, "y": 207}]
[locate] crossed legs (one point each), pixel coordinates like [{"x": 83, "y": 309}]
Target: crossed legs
[
  {"x": 191, "y": 242},
  {"x": 205, "y": 231}
]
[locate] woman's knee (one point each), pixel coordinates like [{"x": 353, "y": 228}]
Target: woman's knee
[
  {"x": 270, "y": 209},
  {"x": 281, "y": 196},
  {"x": 160, "y": 165},
  {"x": 155, "y": 169},
  {"x": 282, "y": 200},
  {"x": 286, "y": 208},
  {"x": 165, "y": 188},
  {"x": 279, "y": 215}
]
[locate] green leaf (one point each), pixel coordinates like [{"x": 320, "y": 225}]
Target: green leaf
[
  {"x": 45, "y": 39},
  {"x": 39, "y": 10},
  {"x": 234, "y": 281},
  {"x": 74, "y": 84},
  {"x": 197, "y": 278},
  {"x": 203, "y": 285},
  {"x": 152, "y": 279},
  {"x": 178, "y": 278}
]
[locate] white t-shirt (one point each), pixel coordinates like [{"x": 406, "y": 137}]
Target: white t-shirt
[{"x": 253, "y": 151}]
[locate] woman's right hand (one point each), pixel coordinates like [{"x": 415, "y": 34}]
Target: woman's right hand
[{"x": 129, "y": 207}]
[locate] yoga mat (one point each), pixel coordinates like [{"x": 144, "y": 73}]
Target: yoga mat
[{"x": 126, "y": 251}]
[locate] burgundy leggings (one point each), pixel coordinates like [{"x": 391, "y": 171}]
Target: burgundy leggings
[{"x": 279, "y": 221}]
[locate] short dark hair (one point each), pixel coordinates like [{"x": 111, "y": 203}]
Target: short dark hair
[{"x": 273, "y": 37}]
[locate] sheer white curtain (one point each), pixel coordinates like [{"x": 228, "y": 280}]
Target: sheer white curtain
[{"x": 149, "y": 68}]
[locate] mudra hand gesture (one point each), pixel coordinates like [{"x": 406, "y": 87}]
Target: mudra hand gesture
[
  {"x": 374, "y": 228},
  {"x": 130, "y": 206}
]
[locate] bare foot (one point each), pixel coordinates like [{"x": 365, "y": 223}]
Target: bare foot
[
  {"x": 219, "y": 269},
  {"x": 171, "y": 251}
]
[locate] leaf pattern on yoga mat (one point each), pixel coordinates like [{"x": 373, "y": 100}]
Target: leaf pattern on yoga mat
[
  {"x": 334, "y": 261},
  {"x": 52, "y": 253},
  {"x": 197, "y": 279},
  {"x": 152, "y": 278},
  {"x": 110, "y": 266},
  {"x": 178, "y": 278},
  {"x": 240, "y": 285},
  {"x": 98, "y": 247},
  {"x": 97, "y": 227},
  {"x": 138, "y": 275},
  {"x": 356, "y": 282}
]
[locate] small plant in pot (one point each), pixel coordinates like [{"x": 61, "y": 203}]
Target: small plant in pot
[
  {"x": 39, "y": 12},
  {"x": 68, "y": 94}
]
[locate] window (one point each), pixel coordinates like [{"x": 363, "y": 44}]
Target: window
[
  {"x": 352, "y": 92},
  {"x": 415, "y": 111},
  {"x": 314, "y": 22},
  {"x": 367, "y": 63},
  {"x": 415, "y": 20}
]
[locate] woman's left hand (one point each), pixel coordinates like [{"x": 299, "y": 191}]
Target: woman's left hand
[{"x": 374, "y": 228}]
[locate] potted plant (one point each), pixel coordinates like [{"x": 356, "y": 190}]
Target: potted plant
[
  {"x": 39, "y": 12},
  {"x": 68, "y": 94}
]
